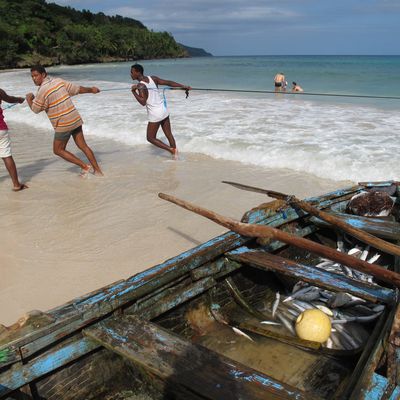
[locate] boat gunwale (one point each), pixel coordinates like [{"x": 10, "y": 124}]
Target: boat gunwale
[{"x": 82, "y": 306}]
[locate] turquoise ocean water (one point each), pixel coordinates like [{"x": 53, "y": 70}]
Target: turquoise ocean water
[{"x": 331, "y": 137}]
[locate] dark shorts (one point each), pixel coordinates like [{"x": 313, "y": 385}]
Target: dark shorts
[
  {"x": 278, "y": 84},
  {"x": 64, "y": 136}
]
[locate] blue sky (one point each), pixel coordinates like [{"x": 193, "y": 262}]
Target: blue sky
[{"x": 250, "y": 27}]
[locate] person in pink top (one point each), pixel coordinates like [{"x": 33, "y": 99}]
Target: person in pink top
[{"x": 5, "y": 144}]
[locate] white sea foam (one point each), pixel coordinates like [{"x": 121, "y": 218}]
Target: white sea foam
[{"x": 336, "y": 141}]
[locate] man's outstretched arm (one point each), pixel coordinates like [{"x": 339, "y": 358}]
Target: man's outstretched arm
[
  {"x": 84, "y": 89},
  {"x": 10, "y": 99},
  {"x": 165, "y": 82}
]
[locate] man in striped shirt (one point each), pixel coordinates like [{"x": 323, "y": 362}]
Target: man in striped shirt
[{"x": 54, "y": 97}]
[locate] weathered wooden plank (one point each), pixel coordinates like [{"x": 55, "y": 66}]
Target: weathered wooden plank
[
  {"x": 14, "y": 378},
  {"x": 395, "y": 394},
  {"x": 376, "y": 389},
  {"x": 375, "y": 226},
  {"x": 30, "y": 370},
  {"x": 315, "y": 275},
  {"x": 177, "y": 298},
  {"x": 192, "y": 366},
  {"x": 365, "y": 368},
  {"x": 378, "y": 183},
  {"x": 260, "y": 213},
  {"x": 393, "y": 351},
  {"x": 208, "y": 269}
]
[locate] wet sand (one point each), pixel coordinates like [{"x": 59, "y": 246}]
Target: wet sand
[{"x": 66, "y": 236}]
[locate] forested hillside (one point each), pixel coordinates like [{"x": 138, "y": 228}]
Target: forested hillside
[{"x": 33, "y": 31}]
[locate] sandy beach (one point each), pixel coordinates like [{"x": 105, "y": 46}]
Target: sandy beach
[{"x": 66, "y": 236}]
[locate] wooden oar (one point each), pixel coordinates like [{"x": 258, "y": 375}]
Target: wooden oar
[
  {"x": 365, "y": 237},
  {"x": 252, "y": 230}
]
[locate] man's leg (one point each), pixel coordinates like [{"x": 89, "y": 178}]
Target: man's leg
[
  {"x": 166, "y": 127},
  {"x": 81, "y": 143},
  {"x": 12, "y": 170},
  {"x": 152, "y": 129},
  {"x": 59, "y": 150}
]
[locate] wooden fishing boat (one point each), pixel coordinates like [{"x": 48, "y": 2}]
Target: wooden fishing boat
[{"x": 202, "y": 325}]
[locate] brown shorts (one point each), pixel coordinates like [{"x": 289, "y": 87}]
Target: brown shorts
[{"x": 64, "y": 136}]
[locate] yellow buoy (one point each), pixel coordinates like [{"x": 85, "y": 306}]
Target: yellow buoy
[{"x": 313, "y": 325}]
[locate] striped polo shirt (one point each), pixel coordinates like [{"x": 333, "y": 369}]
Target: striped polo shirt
[{"x": 54, "y": 97}]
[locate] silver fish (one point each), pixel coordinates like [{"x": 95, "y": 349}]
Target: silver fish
[
  {"x": 299, "y": 285},
  {"x": 374, "y": 258},
  {"x": 364, "y": 254},
  {"x": 275, "y": 304},
  {"x": 241, "y": 333},
  {"x": 286, "y": 323},
  {"x": 367, "y": 318},
  {"x": 339, "y": 300},
  {"x": 298, "y": 293},
  {"x": 347, "y": 337},
  {"x": 325, "y": 310},
  {"x": 310, "y": 295},
  {"x": 378, "y": 308}
]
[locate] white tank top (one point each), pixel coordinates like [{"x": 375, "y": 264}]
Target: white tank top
[{"x": 156, "y": 109}]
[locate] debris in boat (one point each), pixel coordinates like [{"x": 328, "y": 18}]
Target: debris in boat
[
  {"x": 370, "y": 204},
  {"x": 276, "y": 304},
  {"x": 241, "y": 333},
  {"x": 200, "y": 318},
  {"x": 313, "y": 325}
]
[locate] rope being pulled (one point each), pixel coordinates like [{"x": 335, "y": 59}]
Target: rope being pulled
[
  {"x": 10, "y": 106},
  {"x": 360, "y": 96},
  {"x": 271, "y": 92}
]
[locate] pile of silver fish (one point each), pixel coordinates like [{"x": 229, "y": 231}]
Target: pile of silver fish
[{"x": 348, "y": 313}]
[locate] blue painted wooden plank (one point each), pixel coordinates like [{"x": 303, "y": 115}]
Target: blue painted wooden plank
[
  {"x": 14, "y": 378},
  {"x": 261, "y": 215},
  {"x": 395, "y": 394},
  {"x": 175, "y": 299},
  {"x": 203, "y": 371},
  {"x": 376, "y": 388},
  {"x": 318, "y": 276}
]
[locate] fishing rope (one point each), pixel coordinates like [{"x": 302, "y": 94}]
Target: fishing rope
[
  {"x": 362, "y": 96},
  {"x": 10, "y": 106}
]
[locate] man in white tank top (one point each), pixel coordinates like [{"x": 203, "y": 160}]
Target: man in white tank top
[{"x": 147, "y": 94}]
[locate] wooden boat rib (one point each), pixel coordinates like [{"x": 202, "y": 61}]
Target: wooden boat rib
[{"x": 134, "y": 334}]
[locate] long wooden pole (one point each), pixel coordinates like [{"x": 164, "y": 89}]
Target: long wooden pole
[
  {"x": 252, "y": 230},
  {"x": 365, "y": 237}
]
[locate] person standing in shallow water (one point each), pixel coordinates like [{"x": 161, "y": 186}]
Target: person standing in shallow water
[
  {"x": 5, "y": 143},
  {"x": 54, "y": 97},
  {"x": 147, "y": 94},
  {"x": 280, "y": 82}
]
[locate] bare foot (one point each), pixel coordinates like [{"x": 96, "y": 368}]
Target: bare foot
[
  {"x": 85, "y": 171},
  {"x": 22, "y": 186},
  {"x": 174, "y": 153},
  {"x": 98, "y": 172}
]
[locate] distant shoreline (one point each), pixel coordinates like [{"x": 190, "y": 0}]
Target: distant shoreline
[{"x": 116, "y": 60}]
